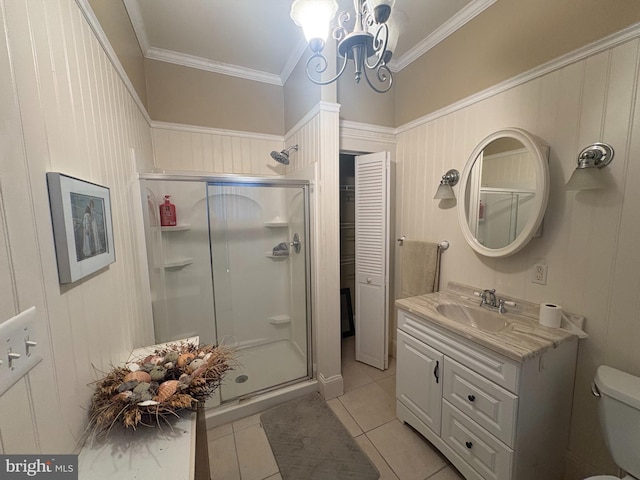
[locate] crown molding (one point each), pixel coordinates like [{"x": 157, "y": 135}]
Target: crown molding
[
  {"x": 630, "y": 33},
  {"x": 293, "y": 60},
  {"x": 367, "y": 131},
  {"x": 192, "y": 61},
  {"x": 468, "y": 13},
  {"x": 458, "y": 20},
  {"x": 201, "y": 63},
  {"x": 181, "y": 127},
  {"x": 138, "y": 24},
  {"x": 95, "y": 26}
]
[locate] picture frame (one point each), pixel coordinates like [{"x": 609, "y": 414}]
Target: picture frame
[{"x": 82, "y": 226}]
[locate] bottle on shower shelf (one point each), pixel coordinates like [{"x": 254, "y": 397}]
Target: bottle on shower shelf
[{"x": 168, "y": 213}]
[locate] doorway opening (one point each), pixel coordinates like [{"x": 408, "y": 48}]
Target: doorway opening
[{"x": 347, "y": 246}]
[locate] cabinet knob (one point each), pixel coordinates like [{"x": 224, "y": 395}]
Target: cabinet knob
[
  {"x": 468, "y": 444},
  {"x": 471, "y": 398},
  {"x": 368, "y": 279}
]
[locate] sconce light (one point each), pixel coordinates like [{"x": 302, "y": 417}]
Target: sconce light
[
  {"x": 590, "y": 161},
  {"x": 445, "y": 191}
]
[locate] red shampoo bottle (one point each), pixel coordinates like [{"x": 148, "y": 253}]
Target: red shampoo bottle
[{"x": 168, "y": 213}]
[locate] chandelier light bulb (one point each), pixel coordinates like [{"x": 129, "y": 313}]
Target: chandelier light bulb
[{"x": 314, "y": 17}]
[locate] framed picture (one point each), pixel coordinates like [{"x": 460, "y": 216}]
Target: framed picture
[{"x": 82, "y": 226}]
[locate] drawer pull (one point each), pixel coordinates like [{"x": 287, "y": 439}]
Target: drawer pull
[
  {"x": 436, "y": 371},
  {"x": 471, "y": 398},
  {"x": 468, "y": 444}
]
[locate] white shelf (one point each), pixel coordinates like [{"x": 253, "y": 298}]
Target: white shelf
[
  {"x": 276, "y": 224},
  {"x": 178, "y": 263},
  {"x": 276, "y": 257},
  {"x": 279, "y": 320},
  {"x": 177, "y": 228}
]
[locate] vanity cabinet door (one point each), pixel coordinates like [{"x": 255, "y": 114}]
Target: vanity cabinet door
[{"x": 419, "y": 377}]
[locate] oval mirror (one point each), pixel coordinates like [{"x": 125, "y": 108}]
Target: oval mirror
[{"x": 504, "y": 192}]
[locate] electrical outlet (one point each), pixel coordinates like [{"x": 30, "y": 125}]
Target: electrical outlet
[{"x": 539, "y": 274}]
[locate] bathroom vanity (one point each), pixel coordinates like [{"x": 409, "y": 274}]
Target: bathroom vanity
[{"x": 494, "y": 396}]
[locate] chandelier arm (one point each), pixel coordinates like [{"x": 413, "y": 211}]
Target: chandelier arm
[
  {"x": 383, "y": 74},
  {"x": 379, "y": 46},
  {"x": 323, "y": 67},
  {"x": 341, "y": 29}
]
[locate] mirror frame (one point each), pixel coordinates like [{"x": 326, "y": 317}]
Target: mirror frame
[{"x": 539, "y": 153}]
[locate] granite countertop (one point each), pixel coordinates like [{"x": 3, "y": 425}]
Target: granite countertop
[{"x": 524, "y": 338}]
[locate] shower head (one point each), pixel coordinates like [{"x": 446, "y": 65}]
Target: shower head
[{"x": 283, "y": 156}]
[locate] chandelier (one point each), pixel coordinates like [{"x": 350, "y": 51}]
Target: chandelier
[{"x": 369, "y": 44}]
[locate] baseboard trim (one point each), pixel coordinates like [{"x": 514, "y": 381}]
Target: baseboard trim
[{"x": 331, "y": 387}]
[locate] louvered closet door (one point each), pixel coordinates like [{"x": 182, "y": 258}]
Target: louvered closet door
[{"x": 372, "y": 253}]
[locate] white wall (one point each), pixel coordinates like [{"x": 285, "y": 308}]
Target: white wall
[
  {"x": 182, "y": 148},
  {"x": 318, "y": 140},
  {"x": 590, "y": 237},
  {"x": 65, "y": 109}
]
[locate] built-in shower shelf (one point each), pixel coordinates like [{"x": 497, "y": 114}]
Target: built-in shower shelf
[
  {"x": 178, "y": 263},
  {"x": 176, "y": 228},
  {"x": 280, "y": 320},
  {"x": 276, "y": 224},
  {"x": 276, "y": 257}
]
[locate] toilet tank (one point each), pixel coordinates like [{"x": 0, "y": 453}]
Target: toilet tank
[{"x": 620, "y": 416}]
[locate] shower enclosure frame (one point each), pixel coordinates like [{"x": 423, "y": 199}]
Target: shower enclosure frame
[{"x": 244, "y": 181}]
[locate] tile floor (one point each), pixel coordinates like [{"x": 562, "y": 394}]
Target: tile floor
[{"x": 240, "y": 450}]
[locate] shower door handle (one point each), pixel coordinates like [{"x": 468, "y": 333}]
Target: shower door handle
[{"x": 296, "y": 243}]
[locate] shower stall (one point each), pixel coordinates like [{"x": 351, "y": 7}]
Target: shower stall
[{"x": 234, "y": 271}]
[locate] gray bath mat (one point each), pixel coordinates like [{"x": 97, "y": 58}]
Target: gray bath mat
[{"x": 310, "y": 443}]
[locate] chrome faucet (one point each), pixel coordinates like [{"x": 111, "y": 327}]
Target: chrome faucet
[
  {"x": 488, "y": 299},
  {"x": 491, "y": 301}
]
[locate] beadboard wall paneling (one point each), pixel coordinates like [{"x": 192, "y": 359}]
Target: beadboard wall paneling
[
  {"x": 180, "y": 148},
  {"x": 589, "y": 240},
  {"x": 317, "y": 137},
  {"x": 67, "y": 111},
  {"x": 307, "y": 137}
]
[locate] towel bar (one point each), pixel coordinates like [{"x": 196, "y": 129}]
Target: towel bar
[{"x": 444, "y": 244}]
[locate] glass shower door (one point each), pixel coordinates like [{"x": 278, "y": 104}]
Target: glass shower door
[{"x": 258, "y": 240}]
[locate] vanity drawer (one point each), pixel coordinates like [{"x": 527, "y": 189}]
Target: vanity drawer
[
  {"x": 486, "y": 454},
  {"x": 493, "y": 407}
]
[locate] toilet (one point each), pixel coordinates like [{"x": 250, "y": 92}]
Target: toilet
[{"x": 619, "y": 411}]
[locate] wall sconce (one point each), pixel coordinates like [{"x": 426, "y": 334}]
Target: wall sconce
[
  {"x": 590, "y": 161},
  {"x": 445, "y": 191}
]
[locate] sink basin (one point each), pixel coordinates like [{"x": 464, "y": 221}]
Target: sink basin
[{"x": 475, "y": 317}]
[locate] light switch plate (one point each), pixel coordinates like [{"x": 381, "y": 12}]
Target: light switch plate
[{"x": 14, "y": 335}]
